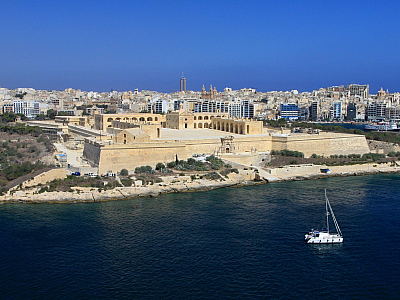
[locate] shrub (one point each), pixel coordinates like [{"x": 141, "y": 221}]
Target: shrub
[
  {"x": 373, "y": 156},
  {"x": 171, "y": 164},
  {"x": 126, "y": 182},
  {"x": 124, "y": 172},
  {"x": 160, "y": 166},
  {"x": 144, "y": 169}
]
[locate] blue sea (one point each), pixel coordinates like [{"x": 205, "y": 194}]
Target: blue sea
[
  {"x": 347, "y": 125},
  {"x": 231, "y": 243}
]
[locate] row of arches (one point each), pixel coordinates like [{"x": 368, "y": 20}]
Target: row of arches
[
  {"x": 200, "y": 118},
  {"x": 201, "y": 125},
  {"x": 133, "y": 119},
  {"x": 231, "y": 127}
]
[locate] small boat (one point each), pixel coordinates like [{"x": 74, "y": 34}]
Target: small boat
[
  {"x": 316, "y": 236},
  {"x": 382, "y": 126}
]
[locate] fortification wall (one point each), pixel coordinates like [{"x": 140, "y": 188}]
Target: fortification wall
[
  {"x": 43, "y": 178},
  {"x": 295, "y": 170},
  {"x": 247, "y": 159},
  {"x": 116, "y": 157},
  {"x": 91, "y": 151},
  {"x": 322, "y": 144}
]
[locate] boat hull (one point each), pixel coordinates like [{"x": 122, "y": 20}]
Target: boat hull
[
  {"x": 318, "y": 237},
  {"x": 325, "y": 241}
]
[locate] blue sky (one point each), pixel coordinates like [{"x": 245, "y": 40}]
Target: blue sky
[{"x": 269, "y": 45}]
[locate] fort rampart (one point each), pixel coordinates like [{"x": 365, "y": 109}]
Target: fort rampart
[{"x": 114, "y": 157}]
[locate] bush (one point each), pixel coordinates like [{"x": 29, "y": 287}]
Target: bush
[
  {"x": 126, "y": 182},
  {"x": 160, "y": 166},
  {"x": 286, "y": 152},
  {"x": 144, "y": 169},
  {"x": 171, "y": 164},
  {"x": 373, "y": 156},
  {"x": 212, "y": 176},
  {"x": 124, "y": 172},
  {"x": 394, "y": 154}
]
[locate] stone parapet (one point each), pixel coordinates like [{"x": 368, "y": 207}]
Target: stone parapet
[{"x": 43, "y": 178}]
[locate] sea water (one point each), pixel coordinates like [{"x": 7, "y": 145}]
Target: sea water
[{"x": 231, "y": 243}]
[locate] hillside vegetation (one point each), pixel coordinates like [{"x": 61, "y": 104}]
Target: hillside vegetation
[{"x": 21, "y": 149}]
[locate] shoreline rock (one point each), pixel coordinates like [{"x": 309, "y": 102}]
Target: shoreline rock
[{"x": 91, "y": 195}]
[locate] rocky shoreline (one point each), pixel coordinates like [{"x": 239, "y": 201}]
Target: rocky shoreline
[{"x": 83, "y": 195}]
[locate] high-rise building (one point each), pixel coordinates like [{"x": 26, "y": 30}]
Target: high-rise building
[
  {"x": 337, "y": 111},
  {"x": 28, "y": 108},
  {"x": 351, "y": 111},
  {"x": 376, "y": 110},
  {"x": 247, "y": 109},
  {"x": 314, "y": 111},
  {"x": 183, "y": 83},
  {"x": 289, "y": 111},
  {"x": 358, "y": 90}
]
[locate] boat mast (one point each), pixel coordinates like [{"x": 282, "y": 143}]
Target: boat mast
[
  {"x": 327, "y": 212},
  {"x": 334, "y": 219}
]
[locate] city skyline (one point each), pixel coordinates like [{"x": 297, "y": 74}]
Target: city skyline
[{"x": 264, "y": 45}]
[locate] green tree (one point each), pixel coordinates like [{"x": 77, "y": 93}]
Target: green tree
[
  {"x": 124, "y": 172},
  {"x": 160, "y": 166},
  {"x": 51, "y": 114}
]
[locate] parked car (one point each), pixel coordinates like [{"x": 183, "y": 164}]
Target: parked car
[{"x": 76, "y": 173}]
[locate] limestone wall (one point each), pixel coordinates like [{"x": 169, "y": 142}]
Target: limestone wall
[
  {"x": 322, "y": 144},
  {"x": 58, "y": 173},
  {"x": 116, "y": 157},
  {"x": 295, "y": 170},
  {"x": 247, "y": 159},
  {"x": 91, "y": 152}
]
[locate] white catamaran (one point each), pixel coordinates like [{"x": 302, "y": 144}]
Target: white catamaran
[{"x": 316, "y": 236}]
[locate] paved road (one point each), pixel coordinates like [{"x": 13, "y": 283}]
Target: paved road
[{"x": 73, "y": 156}]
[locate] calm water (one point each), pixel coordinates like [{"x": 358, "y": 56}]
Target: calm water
[
  {"x": 239, "y": 243},
  {"x": 347, "y": 125}
]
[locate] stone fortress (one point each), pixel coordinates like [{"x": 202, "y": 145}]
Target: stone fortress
[{"x": 127, "y": 141}]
